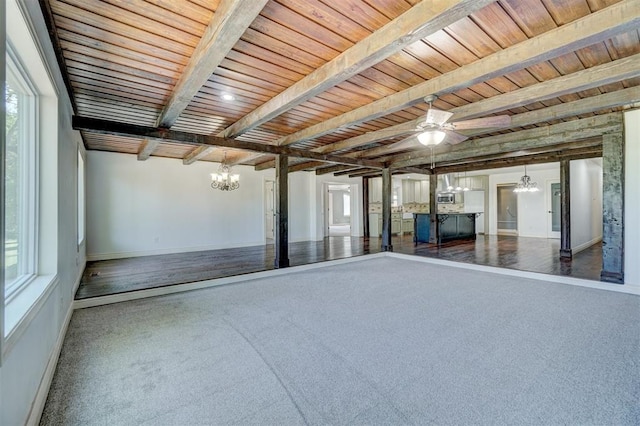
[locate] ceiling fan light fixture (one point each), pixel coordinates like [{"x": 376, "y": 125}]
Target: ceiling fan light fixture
[{"x": 431, "y": 137}]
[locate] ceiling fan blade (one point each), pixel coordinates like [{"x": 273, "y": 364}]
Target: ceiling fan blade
[
  {"x": 454, "y": 138},
  {"x": 484, "y": 122},
  {"x": 406, "y": 143},
  {"x": 436, "y": 116}
]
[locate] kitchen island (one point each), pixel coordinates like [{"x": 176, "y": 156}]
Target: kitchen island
[{"x": 452, "y": 226}]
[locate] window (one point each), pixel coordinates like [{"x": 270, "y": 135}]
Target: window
[
  {"x": 20, "y": 185},
  {"x": 30, "y": 222}
]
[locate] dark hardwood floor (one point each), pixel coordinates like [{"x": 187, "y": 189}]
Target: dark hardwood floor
[{"x": 107, "y": 277}]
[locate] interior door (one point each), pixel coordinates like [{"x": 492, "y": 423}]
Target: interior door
[
  {"x": 553, "y": 203},
  {"x": 507, "y": 209},
  {"x": 269, "y": 209}
]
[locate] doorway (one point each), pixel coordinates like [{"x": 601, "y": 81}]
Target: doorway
[
  {"x": 553, "y": 202},
  {"x": 507, "y": 209},
  {"x": 269, "y": 210},
  {"x": 338, "y": 217}
]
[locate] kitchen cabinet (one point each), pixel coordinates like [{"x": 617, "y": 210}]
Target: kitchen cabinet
[
  {"x": 396, "y": 223},
  {"x": 399, "y": 225},
  {"x": 375, "y": 190},
  {"x": 407, "y": 225},
  {"x": 415, "y": 191}
]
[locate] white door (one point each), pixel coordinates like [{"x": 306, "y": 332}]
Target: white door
[
  {"x": 553, "y": 209},
  {"x": 269, "y": 209}
]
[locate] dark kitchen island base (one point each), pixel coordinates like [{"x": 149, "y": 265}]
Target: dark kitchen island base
[{"x": 453, "y": 226}]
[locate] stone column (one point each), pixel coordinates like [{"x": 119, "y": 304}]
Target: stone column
[{"x": 613, "y": 208}]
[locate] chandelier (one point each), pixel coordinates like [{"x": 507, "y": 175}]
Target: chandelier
[
  {"x": 525, "y": 184},
  {"x": 224, "y": 180}
]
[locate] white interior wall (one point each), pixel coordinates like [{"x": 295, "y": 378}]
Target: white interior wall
[
  {"x": 137, "y": 208},
  {"x": 586, "y": 200},
  {"x": 632, "y": 198},
  {"x": 29, "y": 361},
  {"x": 586, "y": 203},
  {"x": 532, "y": 206},
  {"x": 300, "y": 198}
]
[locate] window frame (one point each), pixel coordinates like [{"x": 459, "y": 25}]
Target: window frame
[
  {"x": 80, "y": 198},
  {"x": 18, "y": 313},
  {"x": 29, "y": 173}
]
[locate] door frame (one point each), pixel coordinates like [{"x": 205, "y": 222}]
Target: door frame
[
  {"x": 327, "y": 206},
  {"x": 266, "y": 196},
  {"x": 549, "y": 205},
  {"x": 506, "y": 231}
]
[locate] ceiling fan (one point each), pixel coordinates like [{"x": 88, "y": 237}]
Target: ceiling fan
[{"x": 435, "y": 129}]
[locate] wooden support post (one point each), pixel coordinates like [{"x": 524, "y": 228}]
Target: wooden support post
[
  {"x": 365, "y": 206},
  {"x": 613, "y": 208},
  {"x": 565, "y": 209},
  {"x": 433, "y": 209},
  {"x": 386, "y": 210},
  {"x": 282, "y": 211}
]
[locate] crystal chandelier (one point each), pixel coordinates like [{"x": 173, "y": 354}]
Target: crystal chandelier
[
  {"x": 224, "y": 180},
  {"x": 525, "y": 184}
]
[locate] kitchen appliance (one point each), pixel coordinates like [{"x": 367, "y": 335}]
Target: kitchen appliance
[{"x": 446, "y": 198}]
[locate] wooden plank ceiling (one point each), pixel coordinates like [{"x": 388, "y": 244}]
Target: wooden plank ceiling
[{"x": 340, "y": 80}]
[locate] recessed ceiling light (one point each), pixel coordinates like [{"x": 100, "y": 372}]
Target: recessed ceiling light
[{"x": 228, "y": 97}]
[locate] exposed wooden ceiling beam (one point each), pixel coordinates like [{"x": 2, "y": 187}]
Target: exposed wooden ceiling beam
[
  {"x": 107, "y": 127},
  {"x": 146, "y": 149},
  {"x": 356, "y": 173},
  {"x": 370, "y": 172},
  {"x": 589, "y": 144},
  {"x": 230, "y": 21},
  {"x": 547, "y": 157},
  {"x": 570, "y": 109},
  {"x": 593, "y": 28},
  {"x": 250, "y": 157},
  {"x": 197, "y": 153},
  {"x": 376, "y": 173},
  {"x": 422, "y": 20},
  {"x": 526, "y": 139},
  {"x": 589, "y": 78},
  {"x": 371, "y": 137},
  {"x": 333, "y": 169},
  {"x": 265, "y": 165},
  {"x": 294, "y": 166},
  {"x": 557, "y": 112},
  {"x": 305, "y": 166}
]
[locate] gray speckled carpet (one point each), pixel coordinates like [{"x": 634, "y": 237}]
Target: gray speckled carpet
[{"x": 379, "y": 341}]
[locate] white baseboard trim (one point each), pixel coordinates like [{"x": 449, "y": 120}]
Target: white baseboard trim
[
  {"x": 584, "y": 246},
  {"x": 170, "y": 250},
  {"x": 43, "y": 390}
]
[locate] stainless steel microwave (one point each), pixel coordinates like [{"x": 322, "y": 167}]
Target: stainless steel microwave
[{"x": 446, "y": 198}]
